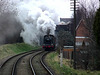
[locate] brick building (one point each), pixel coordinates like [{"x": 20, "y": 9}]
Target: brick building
[{"x": 82, "y": 34}]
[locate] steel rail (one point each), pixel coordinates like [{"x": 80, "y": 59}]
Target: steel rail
[
  {"x": 33, "y": 71},
  {"x": 15, "y": 65},
  {"x": 44, "y": 65},
  {"x": 13, "y": 57},
  {"x": 41, "y": 62}
]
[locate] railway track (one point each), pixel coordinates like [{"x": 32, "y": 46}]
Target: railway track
[
  {"x": 38, "y": 66},
  {"x": 28, "y": 63},
  {"x": 22, "y": 67},
  {"x": 6, "y": 67}
]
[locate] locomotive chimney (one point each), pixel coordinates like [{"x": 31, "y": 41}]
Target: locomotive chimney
[{"x": 48, "y": 32}]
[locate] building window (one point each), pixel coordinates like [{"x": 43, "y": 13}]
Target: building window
[{"x": 78, "y": 43}]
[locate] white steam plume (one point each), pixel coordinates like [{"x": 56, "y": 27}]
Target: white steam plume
[{"x": 36, "y": 18}]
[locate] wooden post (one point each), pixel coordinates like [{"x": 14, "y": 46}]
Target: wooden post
[
  {"x": 74, "y": 34},
  {"x": 61, "y": 57}
]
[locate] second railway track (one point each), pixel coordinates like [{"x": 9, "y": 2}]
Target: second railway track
[
  {"x": 7, "y": 67},
  {"x": 29, "y": 63}
]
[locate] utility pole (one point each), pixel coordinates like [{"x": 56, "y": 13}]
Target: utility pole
[
  {"x": 74, "y": 34},
  {"x": 73, "y": 3},
  {"x": 99, "y": 3}
]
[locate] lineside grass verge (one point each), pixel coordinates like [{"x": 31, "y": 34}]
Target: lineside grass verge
[
  {"x": 12, "y": 49},
  {"x": 53, "y": 61}
]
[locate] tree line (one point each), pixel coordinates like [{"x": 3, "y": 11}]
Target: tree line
[{"x": 89, "y": 55}]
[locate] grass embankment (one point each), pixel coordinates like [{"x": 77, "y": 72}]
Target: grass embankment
[
  {"x": 12, "y": 49},
  {"x": 53, "y": 61}
]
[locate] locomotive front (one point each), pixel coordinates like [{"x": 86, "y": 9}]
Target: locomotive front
[{"x": 49, "y": 42}]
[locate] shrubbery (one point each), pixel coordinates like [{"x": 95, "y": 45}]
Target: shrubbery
[{"x": 96, "y": 31}]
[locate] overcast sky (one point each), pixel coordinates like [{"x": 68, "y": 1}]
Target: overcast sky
[{"x": 64, "y": 6}]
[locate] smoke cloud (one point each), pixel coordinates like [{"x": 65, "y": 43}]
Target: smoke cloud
[
  {"x": 10, "y": 28},
  {"x": 37, "y": 18},
  {"x": 29, "y": 19}
]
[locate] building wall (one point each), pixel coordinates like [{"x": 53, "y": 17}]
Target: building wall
[
  {"x": 79, "y": 41},
  {"x": 82, "y": 30},
  {"x": 82, "y": 34}
]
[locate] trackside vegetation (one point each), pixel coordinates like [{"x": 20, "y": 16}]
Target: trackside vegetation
[
  {"x": 53, "y": 61},
  {"x": 12, "y": 49},
  {"x": 96, "y": 31},
  {"x": 96, "y": 27}
]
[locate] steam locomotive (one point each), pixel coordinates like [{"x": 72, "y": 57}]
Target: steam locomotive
[{"x": 49, "y": 42}]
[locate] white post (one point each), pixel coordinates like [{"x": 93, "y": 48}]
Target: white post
[{"x": 61, "y": 58}]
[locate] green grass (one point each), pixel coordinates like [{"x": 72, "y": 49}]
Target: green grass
[
  {"x": 12, "y": 49},
  {"x": 53, "y": 61},
  {"x": 21, "y": 47}
]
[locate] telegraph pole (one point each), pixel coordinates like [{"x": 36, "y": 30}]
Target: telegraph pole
[
  {"x": 74, "y": 34},
  {"x": 74, "y": 6},
  {"x": 99, "y": 3}
]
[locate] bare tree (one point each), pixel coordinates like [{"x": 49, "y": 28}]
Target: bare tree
[
  {"x": 10, "y": 26},
  {"x": 7, "y": 6},
  {"x": 64, "y": 38},
  {"x": 87, "y": 11}
]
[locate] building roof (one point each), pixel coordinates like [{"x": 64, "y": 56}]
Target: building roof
[
  {"x": 81, "y": 29},
  {"x": 81, "y": 21},
  {"x": 66, "y": 20}
]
